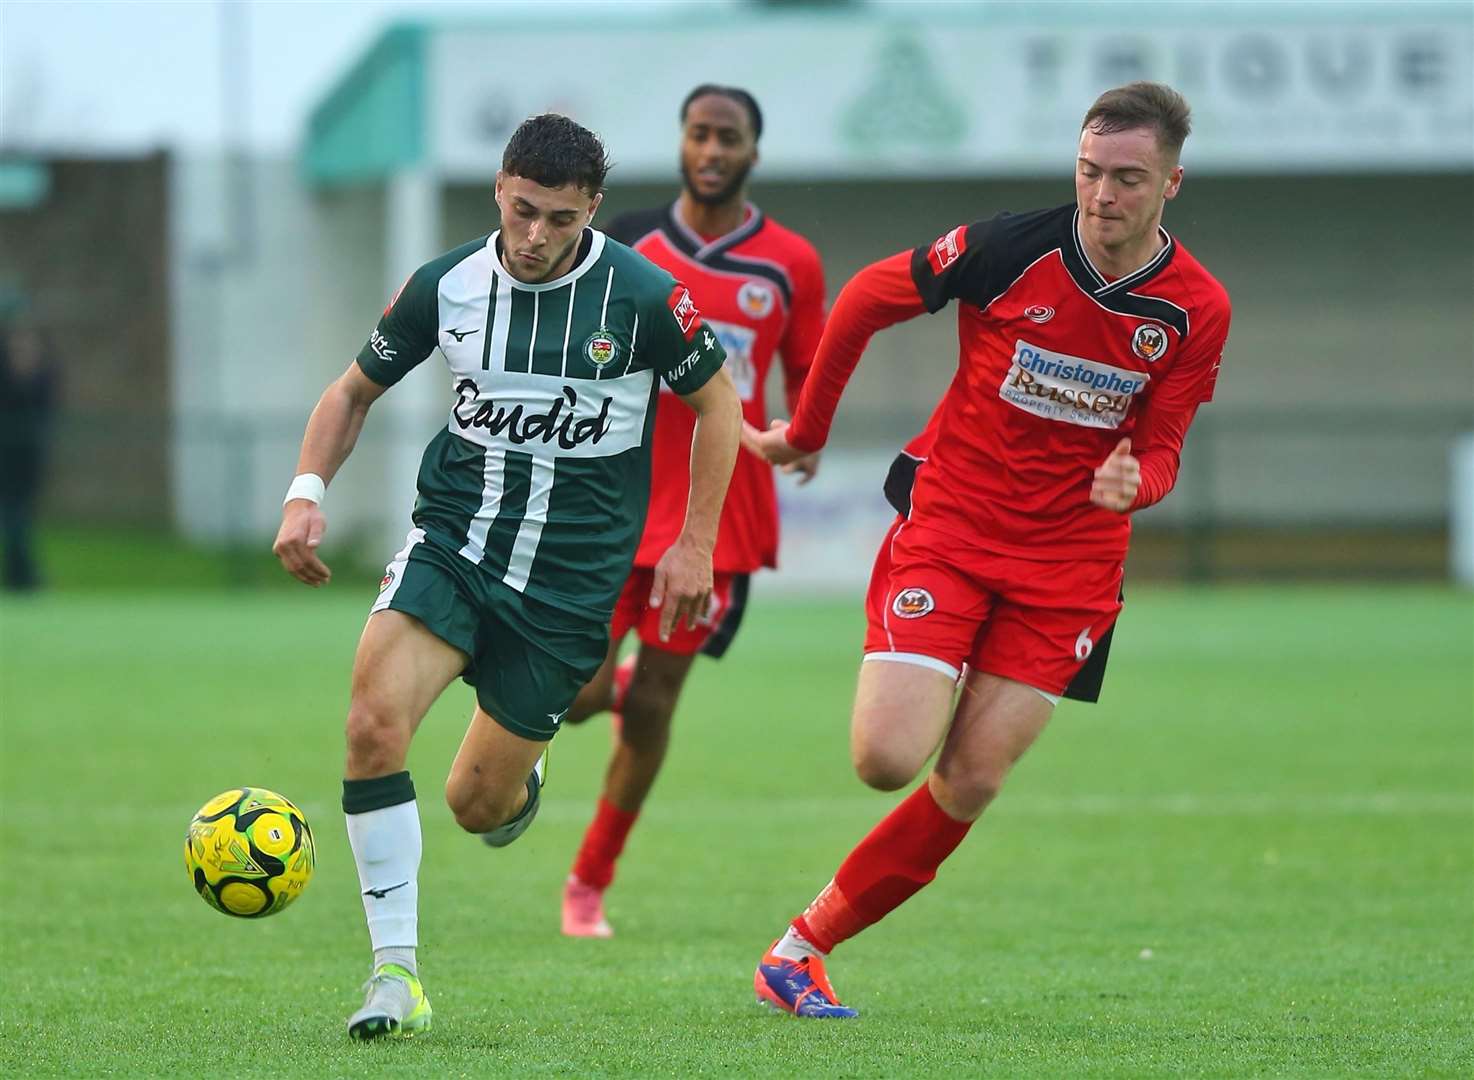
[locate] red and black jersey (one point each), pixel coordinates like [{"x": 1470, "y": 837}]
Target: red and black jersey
[
  {"x": 1057, "y": 363},
  {"x": 760, "y": 288}
]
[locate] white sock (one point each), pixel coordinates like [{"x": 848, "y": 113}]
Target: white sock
[
  {"x": 402, "y": 955},
  {"x": 386, "y": 849},
  {"x": 794, "y": 946}
]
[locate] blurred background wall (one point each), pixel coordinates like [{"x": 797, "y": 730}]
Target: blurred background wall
[{"x": 199, "y": 298}]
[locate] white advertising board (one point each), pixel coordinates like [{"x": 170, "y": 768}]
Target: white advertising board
[{"x": 1345, "y": 88}]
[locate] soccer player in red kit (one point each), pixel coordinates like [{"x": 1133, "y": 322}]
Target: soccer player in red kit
[
  {"x": 1088, "y": 339},
  {"x": 760, "y": 288}
]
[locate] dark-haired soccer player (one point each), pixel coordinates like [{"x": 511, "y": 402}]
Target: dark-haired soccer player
[
  {"x": 531, "y": 500},
  {"x": 1089, "y": 337},
  {"x": 761, "y": 289}
]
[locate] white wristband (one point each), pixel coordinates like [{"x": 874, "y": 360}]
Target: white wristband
[{"x": 307, "y": 486}]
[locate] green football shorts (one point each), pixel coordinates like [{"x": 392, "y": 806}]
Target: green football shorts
[{"x": 529, "y": 660}]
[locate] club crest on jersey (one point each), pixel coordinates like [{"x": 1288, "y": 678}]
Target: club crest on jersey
[
  {"x": 913, "y": 603},
  {"x": 386, "y": 580},
  {"x": 600, "y": 349},
  {"x": 755, "y": 299},
  {"x": 1149, "y": 341},
  {"x": 1038, "y": 313},
  {"x": 947, "y": 249}
]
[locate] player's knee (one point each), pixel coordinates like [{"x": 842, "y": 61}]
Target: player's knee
[
  {"x": 886, "y": 764},
  {"x": 477, "y": 808},
  {"x": 592, "y": 699},
  {"x": 883, "y": 770},
  {"x": 968, "y": 794},
  {"x": 647, "y": 720},
  {"x": 375, "y": 732}
]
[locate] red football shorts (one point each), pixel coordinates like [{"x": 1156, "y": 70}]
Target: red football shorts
[
  {"x": 939, "y": 603},
  {"x": 633, "y": 612}
]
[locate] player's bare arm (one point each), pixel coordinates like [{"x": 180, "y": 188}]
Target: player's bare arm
[
  {"x": 332, "y": 430},
  {"x": 1117, "y": 479},
  {"x": 683, "y": 576}
]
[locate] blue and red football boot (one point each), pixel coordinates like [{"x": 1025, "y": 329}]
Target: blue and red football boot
[{"x": 799, "y": 987}]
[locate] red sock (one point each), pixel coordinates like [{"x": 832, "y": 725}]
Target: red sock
[
  {"x": 602, "y": 844},
  {"x": 886, "y": 869}
]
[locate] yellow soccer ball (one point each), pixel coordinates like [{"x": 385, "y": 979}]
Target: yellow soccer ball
[{"x": 249, "y": 852}]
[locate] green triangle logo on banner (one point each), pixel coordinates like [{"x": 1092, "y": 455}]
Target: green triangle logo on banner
[{"x": 904, "y": 104}]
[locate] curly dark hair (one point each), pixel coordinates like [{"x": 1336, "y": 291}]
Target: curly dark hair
[
  {"x": 732, "y": 93},
  {"x": 553, "y": 150}
]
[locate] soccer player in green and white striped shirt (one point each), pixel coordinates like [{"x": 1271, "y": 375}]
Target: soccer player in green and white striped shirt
[{"x": 531, "y": 504}]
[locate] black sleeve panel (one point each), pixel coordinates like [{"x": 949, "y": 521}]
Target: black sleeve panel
[{"x": 976, "y": 263}]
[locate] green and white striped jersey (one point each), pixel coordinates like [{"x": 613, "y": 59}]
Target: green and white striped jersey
[{"x": 542, "y": 475}]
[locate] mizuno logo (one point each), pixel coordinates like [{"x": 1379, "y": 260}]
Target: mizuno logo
[
  {"x": 557, "y": 717},
  {"x": 379, "y": 894},
  {"x": 462, "y": 335}
]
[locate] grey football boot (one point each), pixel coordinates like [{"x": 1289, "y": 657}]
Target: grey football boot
[
  {"x": 395, "y": 1004},
  {"x": 503, "y": 835}
]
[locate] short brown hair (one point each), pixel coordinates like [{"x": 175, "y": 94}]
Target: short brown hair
[{"x": 1143, "y": 105}]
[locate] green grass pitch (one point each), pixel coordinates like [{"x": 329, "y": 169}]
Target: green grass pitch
[{"x": 1255, "y": 857}]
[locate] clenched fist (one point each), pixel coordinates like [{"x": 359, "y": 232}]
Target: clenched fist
[{"x": 1117, "y": 479}]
